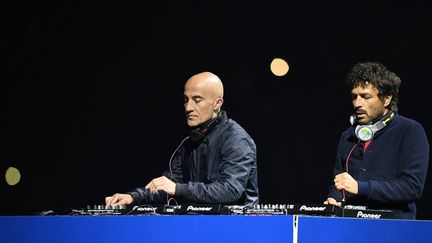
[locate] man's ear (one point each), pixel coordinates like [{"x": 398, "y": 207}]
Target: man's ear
[
  {"x": 218, "y": 104},
  {"x": 387, "y": 100}
]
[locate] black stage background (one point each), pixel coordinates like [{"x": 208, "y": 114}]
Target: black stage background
[{"x": 91, "y": 94}]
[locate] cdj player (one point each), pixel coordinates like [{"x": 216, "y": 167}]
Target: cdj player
[{"x": 220, "y": 209}]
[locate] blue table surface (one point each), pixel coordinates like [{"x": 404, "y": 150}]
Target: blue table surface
[{"x": 216, "y": 228}]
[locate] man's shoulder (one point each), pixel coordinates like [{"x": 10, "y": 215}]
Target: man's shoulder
[
  {"x": 234, "y": 134},
  {"x": 348, "y": 132},
  {"x": 234, "y": 126},
  {"x": 231, "y": 128},
  {"x": 407, "y": 122},
  {"x": 409, "y": 128}
]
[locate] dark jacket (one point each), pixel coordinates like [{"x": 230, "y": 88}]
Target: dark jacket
[
  {"x": 391, "y": 172},
  {"x": 220, "y": 168}
]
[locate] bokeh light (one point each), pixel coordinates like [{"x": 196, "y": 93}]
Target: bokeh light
[
  {"x": 12, "y": 176},
  {"x": 279, "y": 67}
]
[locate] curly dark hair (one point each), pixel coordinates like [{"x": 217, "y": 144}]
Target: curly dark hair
[{"x": 386, "y": 82}]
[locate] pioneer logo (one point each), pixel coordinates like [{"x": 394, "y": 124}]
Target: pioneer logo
[
  {"x": 146, "y": 209},
  {"x": 198, "y": 209},
  {"x": 306, "y": 208},
  {"x": 360, "y": 214}
]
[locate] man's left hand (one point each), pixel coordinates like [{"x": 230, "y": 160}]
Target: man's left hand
[
  {"x": 344, "y": 181},
  {"x": 161, "y": 184}
]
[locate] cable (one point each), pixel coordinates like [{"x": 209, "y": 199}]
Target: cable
[
  {"x": 172, "y": 156},
  {"x": 170, "y": 165},
  {"x": 346, "y": 170}
]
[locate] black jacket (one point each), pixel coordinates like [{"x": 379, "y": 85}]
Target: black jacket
[{"x": 219, "y": 168}]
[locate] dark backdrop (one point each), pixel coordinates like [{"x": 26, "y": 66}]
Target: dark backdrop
[{"x": 91, "y": 93}]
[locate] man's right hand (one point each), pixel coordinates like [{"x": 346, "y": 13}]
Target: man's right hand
[
  {"x": 118, "y": 199},
  {"x": 332, "y": 201}
]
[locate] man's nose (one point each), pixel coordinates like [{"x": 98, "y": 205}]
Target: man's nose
[
  {"x": 189, "y": 106},
  {"x": 357, "y": 102}
]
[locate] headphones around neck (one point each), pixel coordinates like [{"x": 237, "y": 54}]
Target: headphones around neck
[
  {"x": 199, "y": 132},
  {"x": 366, "y": 132}
]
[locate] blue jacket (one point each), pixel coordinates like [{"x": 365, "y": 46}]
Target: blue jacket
[
  {"x": 220, "y": 168},
  {"x": 391, "y": 172}
]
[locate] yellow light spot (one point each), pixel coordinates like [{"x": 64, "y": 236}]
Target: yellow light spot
[
  {"x": 13, "y": 176},
  {"x": 279, "y": 67}
]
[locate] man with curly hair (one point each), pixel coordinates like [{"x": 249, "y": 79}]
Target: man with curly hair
[{"x": 382, "y": 159}]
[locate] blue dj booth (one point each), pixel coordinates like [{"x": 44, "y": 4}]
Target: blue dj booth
[{"x": 211, "y": 228}]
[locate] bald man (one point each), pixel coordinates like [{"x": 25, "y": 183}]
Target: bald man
[{"x": 215, "y": 163}]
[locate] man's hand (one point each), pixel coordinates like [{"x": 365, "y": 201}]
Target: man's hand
[
  {"x": 332, "y": 201},
  {"x": 118, "y": 199},
  {"x": 344, "y": 181},
  {"x": 161, "y": 184}
]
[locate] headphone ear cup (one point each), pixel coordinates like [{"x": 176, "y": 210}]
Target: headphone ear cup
[
  {"x": 356, "y": 130},
  {"x": 196, "y": 134},
  {"x": 200, "y": 132},
  {"x": 365, "y": 132}
]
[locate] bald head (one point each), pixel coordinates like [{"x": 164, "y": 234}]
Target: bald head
[
  {"x": 203, "y": 98},
  {"x": 207, "y": 81}
]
